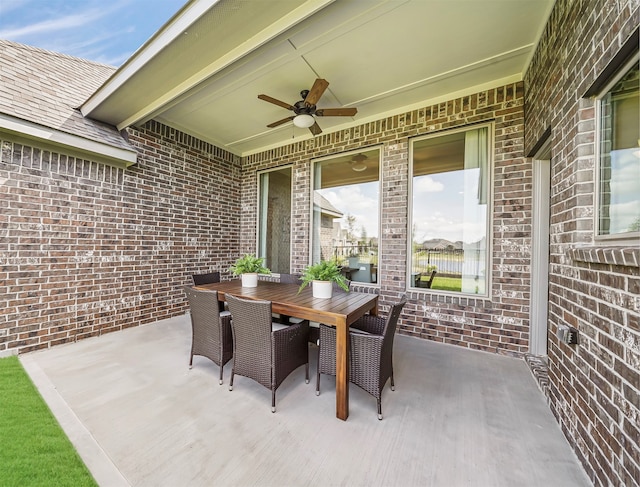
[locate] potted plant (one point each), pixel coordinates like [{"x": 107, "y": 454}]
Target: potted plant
[
  {"x": 248, "y": 267},
  {"x": 322, "y": 275}
]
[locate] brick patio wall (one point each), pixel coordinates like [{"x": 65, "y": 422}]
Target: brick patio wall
[
  {"x": 593, "y": 387},
  {"x": 499, "y": 323},
  {"x": 87, "y": 249}
]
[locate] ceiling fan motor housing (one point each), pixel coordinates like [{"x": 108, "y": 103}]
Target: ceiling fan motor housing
[{"x": 301, "y": 108}]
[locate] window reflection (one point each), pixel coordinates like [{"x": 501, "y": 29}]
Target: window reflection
[
  {"x": 345, "y": 213},
  {"x": 450, "y": 212}
]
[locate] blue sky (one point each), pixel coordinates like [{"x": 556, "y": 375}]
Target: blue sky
[{"x": 104, "y": 31}]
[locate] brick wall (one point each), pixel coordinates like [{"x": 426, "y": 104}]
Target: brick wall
[
  {"x": 87, "y": 249},
  {"x": 593, "y": 387},
  {"x": 499, "y": 323}
]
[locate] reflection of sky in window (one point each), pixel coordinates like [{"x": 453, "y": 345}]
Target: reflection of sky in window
[
  {"x": 359, "y": 200},
  {"x": 438, "y": 208},
  {"x": 624, "y": 207}
]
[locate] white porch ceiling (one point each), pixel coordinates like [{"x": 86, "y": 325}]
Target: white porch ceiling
[{"x": 202, "y": 72}]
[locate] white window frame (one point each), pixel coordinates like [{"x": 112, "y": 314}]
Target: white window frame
[
  {"x": 619, "y": 238},
  {"x": 259, "y": 246},
  {"x": 313, "y": 162},
  {"x": 489, "y": 218}
]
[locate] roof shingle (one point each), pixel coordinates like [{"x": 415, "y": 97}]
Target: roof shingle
[{"x": 47, "y": 88}]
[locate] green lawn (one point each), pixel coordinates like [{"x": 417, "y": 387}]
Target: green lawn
[
  {"x": 447, "y": 283},
  {"x": 34, "y": 451}
]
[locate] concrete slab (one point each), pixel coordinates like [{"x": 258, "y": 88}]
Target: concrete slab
[{"x": 140, "y": 417}]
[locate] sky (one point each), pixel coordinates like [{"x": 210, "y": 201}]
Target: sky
[
  {"x": 104, "y": 31},
  {"x": 438, "y": 201}
]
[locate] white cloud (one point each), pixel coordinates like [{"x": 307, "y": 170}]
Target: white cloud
[
  {"x": 361, "y": 201},
  {"x": 59, "y": 24},
  {"x": 426, "y": 184}
]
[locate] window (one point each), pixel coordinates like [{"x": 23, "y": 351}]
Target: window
[
  {"x": 274, "y": 219},
  {"x": 450, "y": 193},
  {"x": 345, "y": 213},
  {"x": 618, "y": 214}
]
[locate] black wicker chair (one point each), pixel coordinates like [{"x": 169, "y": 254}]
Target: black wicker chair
[
  {"x": 205, "y": 278},
  {"x": 260, "y": 350},
  {"x": 211, "y": 330},
  {"x": 371, "y": 352},
  {"x": 284, "y": 319}
]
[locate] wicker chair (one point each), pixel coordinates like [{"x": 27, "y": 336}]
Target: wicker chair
[
  {"x": 371, "y": 352},
  {"x": 211, "y": 330},
  {"x": 284, "y": 319},
  {"x": 205, "y": 278},
  {"x": 262, "y": 350}
]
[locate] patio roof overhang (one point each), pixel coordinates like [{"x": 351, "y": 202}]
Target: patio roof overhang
[{"x": 202, "y": 71}]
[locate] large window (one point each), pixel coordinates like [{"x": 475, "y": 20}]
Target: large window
[
  {"x": 450, "y": 201},
  {"x": 619, "y": 168},
  {"x": 274, "y": 219},
  {"x": 345, "y": 213}
]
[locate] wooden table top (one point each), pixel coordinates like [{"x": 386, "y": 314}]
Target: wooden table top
[{"x": 286, "y": 300}]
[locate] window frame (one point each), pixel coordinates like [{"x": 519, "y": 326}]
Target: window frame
[
  {"x": 489, "y": 217},
  {"x": 340, "y": 155},
  {"x": 618, "y": 238},
  {"x": 259, "y": 208}
]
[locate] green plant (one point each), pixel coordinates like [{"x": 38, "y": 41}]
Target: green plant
[
  {"x": 249, "y": 263},
  {"x": 325, "y": 270}
]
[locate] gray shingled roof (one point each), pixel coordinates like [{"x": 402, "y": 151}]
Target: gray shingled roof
[
  {"x": 46, "y": 88},
  {"x": 325, "y": 205}
]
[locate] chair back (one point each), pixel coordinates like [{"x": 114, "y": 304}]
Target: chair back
[
  {"x": 199, "y": 279},
  {"x": 389, "y": 331},
  {"x": 205, "y": 313},
  {"x": 251, "y": 326},
  {"x": 290, "y": 279}
]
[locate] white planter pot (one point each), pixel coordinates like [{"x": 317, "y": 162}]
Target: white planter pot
[
  {"x": 250, "y": 279},
  {"x": 322, "y": 289}
]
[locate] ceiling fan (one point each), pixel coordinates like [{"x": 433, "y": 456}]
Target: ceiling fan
[{"x": 305, "y": 109}]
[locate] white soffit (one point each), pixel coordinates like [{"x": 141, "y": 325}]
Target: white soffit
[
  {"x": 204, "y": 37},
  {"x": 384, "y": 57},
  {"x": 25, "y": 132}
]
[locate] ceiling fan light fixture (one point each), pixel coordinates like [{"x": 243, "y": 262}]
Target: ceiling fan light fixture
[
  {"x": 357, "y": 163},
  {"x": 303, "y": 121}
]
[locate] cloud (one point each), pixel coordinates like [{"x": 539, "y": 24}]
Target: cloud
[
  {"x": 60, "y": 24},
  {"x": 426, "y": 184},
  {"x": 360, "y": 201},
  {"x": 97, "y": 30}
]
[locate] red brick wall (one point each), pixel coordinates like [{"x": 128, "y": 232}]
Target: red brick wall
[
  {"x": 499, "y": 323},
  {"x": 594, "y": 386},
  {"x": 87, "y": 249}
]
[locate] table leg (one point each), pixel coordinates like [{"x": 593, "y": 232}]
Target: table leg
[{"x": 342, "y": 370}]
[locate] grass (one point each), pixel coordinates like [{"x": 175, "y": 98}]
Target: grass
[
  {"x": 447, "y": 283},
  {"x": 34, "y": 450}
]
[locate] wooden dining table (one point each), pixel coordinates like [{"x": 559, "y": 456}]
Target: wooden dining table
[{"x": 340, "y": 311}]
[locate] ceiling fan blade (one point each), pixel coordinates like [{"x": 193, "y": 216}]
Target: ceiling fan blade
[
  {"x": 276, "y": 102},
  {"x": 336, "y": 112},
  {"x": 280, "y": 122},
  {"x": 315, "y": 129},
  {"x": 316, "y": 91}
]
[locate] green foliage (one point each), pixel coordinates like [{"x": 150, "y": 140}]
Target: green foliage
[
  {"x": 35, "y": 449},
  {"x": 325, "y": 270},
  {"x": 249, "y": 263}
]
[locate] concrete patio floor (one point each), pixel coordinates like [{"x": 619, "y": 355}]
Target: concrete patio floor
[{"x": 138, "y": 416}]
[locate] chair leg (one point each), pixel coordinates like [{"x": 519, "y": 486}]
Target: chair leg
[
  {"x": 221, "y": 370},
  {"x": 191, "y": 361},
  {"x": 393, "y": 386},
  {"x": 273, "y": 401},
  {"x": 231, "y": 380},
  {"x": 318, "y": 375},
  {"x": 306, "y": 373},
  {"x": 380, "y": 409}
]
